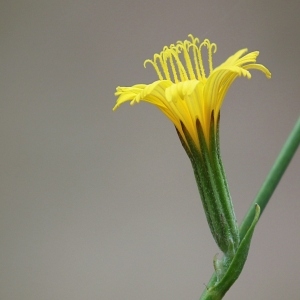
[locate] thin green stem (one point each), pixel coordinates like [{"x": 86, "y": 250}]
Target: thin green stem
[{"x": 262, "y": 198}]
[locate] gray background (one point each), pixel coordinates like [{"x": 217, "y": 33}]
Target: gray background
[{"x": 103, "y": 205}]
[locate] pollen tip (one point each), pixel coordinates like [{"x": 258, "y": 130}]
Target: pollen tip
[
  {"x": 147, "y": 61},
  {"x": 214, "y": 47}
]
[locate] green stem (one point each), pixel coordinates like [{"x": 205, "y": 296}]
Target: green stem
[
  {"x": 285, "y": 156},
  {"x": 273, "y": 178}
]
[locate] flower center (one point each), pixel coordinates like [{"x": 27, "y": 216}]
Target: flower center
[{"x": 183, "y": 61}]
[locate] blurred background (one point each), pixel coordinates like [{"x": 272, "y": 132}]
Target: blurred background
[{"x": 103, "y": 205}]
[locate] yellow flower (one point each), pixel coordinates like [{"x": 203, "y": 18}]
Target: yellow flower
[{"x": 184, "y": 91}]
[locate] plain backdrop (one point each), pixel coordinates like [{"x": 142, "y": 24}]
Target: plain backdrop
[{"x": 96, "y": 204}]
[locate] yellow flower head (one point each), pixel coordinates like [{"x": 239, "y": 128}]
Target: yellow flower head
[{"x": 187, "y": 91}]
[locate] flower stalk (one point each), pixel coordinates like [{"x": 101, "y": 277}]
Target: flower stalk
[
  {"x": 215, "y": 289},
  {"x": 280, "y": 165}
]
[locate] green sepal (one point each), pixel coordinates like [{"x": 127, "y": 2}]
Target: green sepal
[
  {"x": 204, "y": 176},
  {"x": 227, "y": 233},
  {"x": 212, "y": 185},
  {"x": 217, "y": 289}
]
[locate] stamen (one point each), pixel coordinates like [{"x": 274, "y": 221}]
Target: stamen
[
  {"x": 169, "y": 60},
  {"x": 155, "y": 68},
  {"x": 182, "y": 73},
  {"x": 212, "y": 48},
  {"x": 185, "y": 48},
  {"x": 164, "y": 64},
  {"x": 195, "y": 41},
  {"x": 196, "y": 60},
  {"x": 201, "y": 60},
  {"x": 168, "y": 55}
]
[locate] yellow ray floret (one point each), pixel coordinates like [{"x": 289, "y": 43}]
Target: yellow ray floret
[{"x": 185, "y": 92}]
